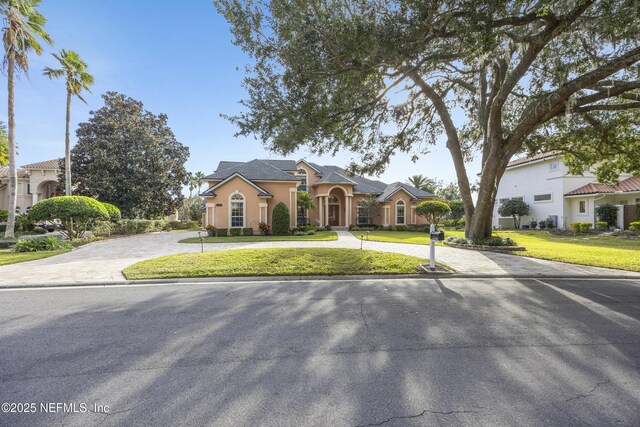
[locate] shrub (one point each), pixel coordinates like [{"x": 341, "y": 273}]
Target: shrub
[
  {"x": 23, "y": 222},
  {"x": 39, "y": 230},
  {"x": 351, "y": 227},
  {"x": 221, "y": 232},
  {"x": 602, "y": 225},
  {"x": 49, "y": 243},
  {"x": 634, "y": 226},
  {"x": 310, "y": 233},
  {"x": 387, "y": 228},
  {"x": 235, "y": 231},
  {"x": 103, "y": 228},
  {"x": 462, "y": 222},
  {"x": 247, "y": 231},
  {"x": 607, "y": 213},
  {"x": 514, "y": 208},
  {"x": 4, "y": 215},
  {"x": 433, "y": 210},
  {"x": 575, "y": 227},
  {"x": 548, "y": 223},
  {"x": 533, "y": 224},
  {"x": 140, "y": 226},
  {"x": 299, "y": 233},
  {"x": 75, "y": 213},
  {"x": 542, "y": 225},
  {"x": 113, "y": 211},
  {"x": 327, "y": 228},
  {"x": 280, "y": 220},
  {"x": 401, "y": 228}
]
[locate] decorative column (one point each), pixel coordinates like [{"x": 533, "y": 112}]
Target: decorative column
[
  {"x": 320, "y": 211},
  {"x": 326, "y": 210}
]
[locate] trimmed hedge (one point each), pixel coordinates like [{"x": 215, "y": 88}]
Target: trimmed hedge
[
  {"x": 75, "y": 213},
  {"x": 235, "y": 231},
  {"x": 280, "y": 220},
  {"x": 580, "y": 227},
  {"x": 221, "y": 232},
  {"x": 140, "y": 226},
  {"x": 634, "y": 226},
  {"x": 247, "y": 231}
]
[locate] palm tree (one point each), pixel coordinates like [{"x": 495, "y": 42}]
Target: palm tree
[
  {"x": 74, "y": 70},
  {"x": 306, "y": 201},
  {"x": 23, "y": 26},
  {"x": 199, "y": 176},
  {"x": 423, "y": 183}
]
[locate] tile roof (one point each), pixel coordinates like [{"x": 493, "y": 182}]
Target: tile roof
[
  {"x": 629, "y": 185},
  {"x": 396, "y": 186},
  {"x": 22, "y": 173},
  {"x": 540, "y": 156},
  {"x": 47, "y": 164},
  {"x": 255, "y": 170},
  {"x": 363, "y": 185}
]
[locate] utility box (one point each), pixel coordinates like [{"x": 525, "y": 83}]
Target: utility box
[{"x": 437, "y": 235}]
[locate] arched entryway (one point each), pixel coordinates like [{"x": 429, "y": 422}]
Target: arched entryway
[
  {"x": 336, "y": 207},
  {"x": 47, "y": 189}
]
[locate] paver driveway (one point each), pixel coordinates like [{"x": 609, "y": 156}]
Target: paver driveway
[{"x": 103, "y": 261}]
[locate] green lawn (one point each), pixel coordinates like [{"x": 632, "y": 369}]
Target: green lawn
[
  {"x": 274, "y": 262},
  {"x": 594, "y": 250},
  {"x": 7, "y": 257},
  {"x": 320, "y": 235}
]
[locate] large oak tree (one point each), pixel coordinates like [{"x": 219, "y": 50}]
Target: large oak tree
[
  {"x": 496, "y": 78},
  {"x": 128, "y": 156}
]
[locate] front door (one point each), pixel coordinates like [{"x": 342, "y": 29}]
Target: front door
[{"x": 334, "y": 215}]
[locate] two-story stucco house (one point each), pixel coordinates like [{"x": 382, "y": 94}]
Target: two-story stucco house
[
  {"x": 36, "y": 181},
  {"x": 243, "y": 194},
  {"x": 543, "y": 181}
]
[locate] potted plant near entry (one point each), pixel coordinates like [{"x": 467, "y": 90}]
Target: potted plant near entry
[
  {"x": 264, "y": 228},
  {"x": 211, "y": 230}
]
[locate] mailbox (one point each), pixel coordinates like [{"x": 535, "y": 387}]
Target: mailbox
[{"x": 437, "y": 235}]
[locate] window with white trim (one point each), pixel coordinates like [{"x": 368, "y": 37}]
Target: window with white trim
[
  {"x": 363, "y": 213},
  {"x": 237, "y": 210},
  {"x": 542, "y": 197},
  {"x": 582, "y": 206},
  {"x": 302, "y": 175},
  {"x": 400, "y": 212}
]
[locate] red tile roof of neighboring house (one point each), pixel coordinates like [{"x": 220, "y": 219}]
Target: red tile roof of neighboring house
[
  {"x": 22, "y": 173},
  {"x": 541, "y": 156},
  {"x": 47, "y": 164},
  {"x": 628, "y": 185}
]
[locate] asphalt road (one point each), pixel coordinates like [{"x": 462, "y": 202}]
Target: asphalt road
[{"x": 352, "y": 353}]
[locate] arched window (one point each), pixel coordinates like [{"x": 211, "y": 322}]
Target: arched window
[
  {"x": 302, "y": 175},
  {"x": 18, "y": 210},
  {"x": 333, "y": 200},
  {"x": 236, "y": 207},
  {"x": 400, "y": 212}
]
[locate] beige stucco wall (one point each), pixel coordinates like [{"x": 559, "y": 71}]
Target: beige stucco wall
[
  {"x": 219, "y": 206},
  {"x": 31, "y": 191}
]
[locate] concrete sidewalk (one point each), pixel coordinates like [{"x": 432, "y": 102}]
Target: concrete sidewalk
[{"x": 102, "y": 262}]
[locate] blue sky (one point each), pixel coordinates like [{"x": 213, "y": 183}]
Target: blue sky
[{"x": 174, "y": 56}]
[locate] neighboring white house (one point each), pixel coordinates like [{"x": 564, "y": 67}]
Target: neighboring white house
[
  {"x": 36, "y": 181},
  {"x": 545, "y": 184}
]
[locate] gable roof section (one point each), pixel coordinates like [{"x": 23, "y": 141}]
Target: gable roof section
[
  {"x": 22, "y": 173},
  {"x": 629, "y": 185},
  {"x": 255, "y": 170},
  {"x": 311, "y": 165},
  {"x": 362, "y": 185},
  {"x": 47, "y": 164},
  {"x": 534, "y": 158},
  {"x": 392, "y": 189},
  {"x": 211, "y": 191},
  {"x": 334, "y": 178}
]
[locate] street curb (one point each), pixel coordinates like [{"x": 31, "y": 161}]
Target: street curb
[{"x": 244, "y": 279}]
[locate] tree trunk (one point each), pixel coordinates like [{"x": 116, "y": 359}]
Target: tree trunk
[
  {"x": 67, "y": 150},
  {"x": 479, "y": 226},
  {"x": 13, "y": 174}
]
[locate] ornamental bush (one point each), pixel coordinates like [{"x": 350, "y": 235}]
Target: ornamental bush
[
  {"x": 75, "y": 212},
  {"x": 607, "y": 213},
  {"x": 114, "y": 212},
  {"x": 235, "y": 231},
  {"x": 634, "y": 226},
  {"x": 280, "y": 220},
  {"x": 433, "y": 210},
  {"x": 514, "y": 208},
  {"x": 247, "y": 231}
]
